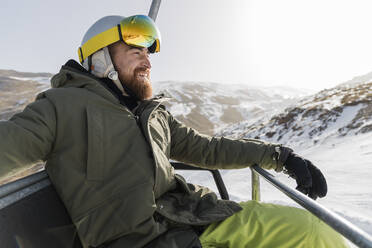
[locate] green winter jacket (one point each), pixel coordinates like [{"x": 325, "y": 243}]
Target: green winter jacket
[{"x": 111, "y": 166}]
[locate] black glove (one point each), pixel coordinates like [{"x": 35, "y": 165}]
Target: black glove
[{"x": 309, "y": 178}]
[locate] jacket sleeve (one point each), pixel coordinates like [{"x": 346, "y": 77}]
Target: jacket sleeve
[
  {"x": 188, "y": 146},
  {"x": 27, "y": 137}
]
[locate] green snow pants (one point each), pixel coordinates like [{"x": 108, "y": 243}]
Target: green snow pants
[{"x": 263, "y": 225}]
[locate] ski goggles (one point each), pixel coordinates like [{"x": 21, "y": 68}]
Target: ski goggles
[{"x": 137, "y": 31}]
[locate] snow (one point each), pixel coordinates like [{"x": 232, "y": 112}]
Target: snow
[
  {"x": 286, "y": 92},
  {"x": 42, "y": 80},
  {"x": 180, "y": 109},
  {"x": 21, "y": 101},
  {"x": 304, "y": 129},
  {"x": 348, "y": 114},
  {"x": 346, "y": 163}
]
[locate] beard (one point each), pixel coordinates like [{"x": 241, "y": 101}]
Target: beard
[{"x": 139, "y": 85}]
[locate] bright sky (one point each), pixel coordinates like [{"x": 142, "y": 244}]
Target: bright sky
[{"x": 305, "y": 44}]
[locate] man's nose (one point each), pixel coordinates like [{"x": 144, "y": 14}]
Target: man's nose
[
  {"x": 146, "y": 59},
  {"x": 147, "y": 62}
]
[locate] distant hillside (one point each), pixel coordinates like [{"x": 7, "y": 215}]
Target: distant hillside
[
  {"x": 358, "y": 80},
  {"x": 13, "y": 73},
  {"x": 17, "y": 89},
  {"x": 209, "y": 107}
]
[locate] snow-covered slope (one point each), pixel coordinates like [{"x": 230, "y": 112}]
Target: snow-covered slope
[{"x": 340, "y": 111}]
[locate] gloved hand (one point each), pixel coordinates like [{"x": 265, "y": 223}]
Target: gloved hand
[{"x": 309, "y": 178}]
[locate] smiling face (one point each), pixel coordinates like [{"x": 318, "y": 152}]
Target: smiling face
[{"x": 133, "y": 66}]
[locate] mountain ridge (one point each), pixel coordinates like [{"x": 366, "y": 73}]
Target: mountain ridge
[
  {"x": 14, "y": 73},
  {"x": 209, "y": 107}
]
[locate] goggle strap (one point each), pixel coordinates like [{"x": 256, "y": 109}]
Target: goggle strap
[
  {"x": 81, "y": 55},
  {"x": 120, "y": 34},
  {"x": 90, "y": 63}
]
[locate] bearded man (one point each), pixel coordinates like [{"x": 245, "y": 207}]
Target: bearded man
[{"x": 107, "y": 146}]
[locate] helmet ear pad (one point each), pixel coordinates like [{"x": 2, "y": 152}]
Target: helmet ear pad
[{"x": 101, "y": 66}]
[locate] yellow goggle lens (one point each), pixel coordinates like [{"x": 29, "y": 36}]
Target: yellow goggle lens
[{"x": 141, "y": 31}]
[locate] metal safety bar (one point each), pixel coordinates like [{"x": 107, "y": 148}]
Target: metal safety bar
[
  {"x": 256, "y": 191},
  {"x": 17, "y": 190},
  {"x": 341, "y": 225},
  {"x": 215, "y": 173},
  {"x": 15, "y": 186}
]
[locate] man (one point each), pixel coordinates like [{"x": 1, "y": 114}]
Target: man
[{"x": 107, "y": 146}]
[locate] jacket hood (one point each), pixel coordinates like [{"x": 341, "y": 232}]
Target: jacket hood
[
  {"x": 72, "y": 74},
  {"x": 72, "y": 70}
]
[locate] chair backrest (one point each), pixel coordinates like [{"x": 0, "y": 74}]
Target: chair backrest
[{"x": 39, "y": 220}]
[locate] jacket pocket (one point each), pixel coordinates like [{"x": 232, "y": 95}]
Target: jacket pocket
[
  {"x": 121, "y": 214},
  {"x": 95, "y": 148}
]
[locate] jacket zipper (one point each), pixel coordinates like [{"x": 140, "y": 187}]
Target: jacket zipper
[{"x": 138, "y": 114}]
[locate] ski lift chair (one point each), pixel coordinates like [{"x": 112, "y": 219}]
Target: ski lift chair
[{"x": 33, "y": 216}]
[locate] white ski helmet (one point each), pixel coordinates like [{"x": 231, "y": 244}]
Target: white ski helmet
[{"x": 138, "y": 31}]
